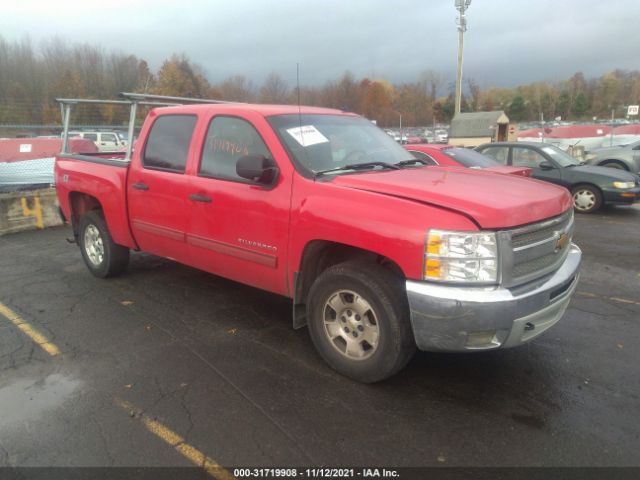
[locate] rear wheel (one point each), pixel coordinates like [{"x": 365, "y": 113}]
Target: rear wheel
[
  {"x": 103, "y": 257},
  {"x": 358, "y": 319},
  {"x": 586, "y": 198}
]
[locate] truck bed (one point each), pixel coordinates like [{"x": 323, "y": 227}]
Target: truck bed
[{"x": 85, "y": 174}]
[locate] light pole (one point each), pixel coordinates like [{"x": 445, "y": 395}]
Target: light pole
[{"x": 461, "y": 6}]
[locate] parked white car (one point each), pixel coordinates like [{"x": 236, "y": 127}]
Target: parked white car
[{"x": 105, "y": 141}]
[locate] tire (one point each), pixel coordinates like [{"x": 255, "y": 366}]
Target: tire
[
  {"x": 103, "y": 257},
  {"x": 614, "y": 164},
  {"x": 586, "y": 198},
  {"x": 357, "y": 300}
]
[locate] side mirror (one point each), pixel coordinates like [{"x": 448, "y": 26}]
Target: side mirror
[
  {"x": 257, "y": 168},
  {"x": 546, "y": 166}
]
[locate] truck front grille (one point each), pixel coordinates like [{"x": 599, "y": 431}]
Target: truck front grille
[
  {"x": 536, "y": 250},
  {"x": 532, "y": 266}
]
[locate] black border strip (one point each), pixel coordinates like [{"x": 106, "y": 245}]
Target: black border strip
[{"x": 87, "y": 158}]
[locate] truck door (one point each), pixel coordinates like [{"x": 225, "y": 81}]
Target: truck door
[
  {"x": 238, "y": 229},
  {"x": 157, "y": 187}
]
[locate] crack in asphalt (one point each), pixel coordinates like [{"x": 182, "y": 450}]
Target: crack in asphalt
[
  {"x": 5, "y": 452},
  {"x": 240, "y": 391},
  {"x": 103, "y": 438},
  {"x": 187, "y": 411}
]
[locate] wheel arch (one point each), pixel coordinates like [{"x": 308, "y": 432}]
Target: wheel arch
[
  {"x": 80, "y": 204},
  {"x": 608, "y": 161},
  {"x": 317, "y": 256}
]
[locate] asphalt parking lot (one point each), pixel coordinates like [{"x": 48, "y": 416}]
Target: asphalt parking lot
[{"x": 170, "y": 366}]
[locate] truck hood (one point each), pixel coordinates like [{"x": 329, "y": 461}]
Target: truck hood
[{"x": 494, "y": 201}]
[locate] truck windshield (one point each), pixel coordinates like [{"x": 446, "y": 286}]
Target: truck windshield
[{"x": 320, "y": 143}]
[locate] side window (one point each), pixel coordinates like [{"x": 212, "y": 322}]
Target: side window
[
  {"x": 108, "y": 137},
  {"x": 500, "y": 154},
  {"x": 423, "y": 156},
  {"x": 168, "y": 143},
  {"x": 526, "y": 157},
  {"x": 227, "y": 140},
  {"x": 91, "y": 136}
]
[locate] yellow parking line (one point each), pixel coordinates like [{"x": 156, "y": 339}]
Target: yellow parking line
[
  {"x": 170, "y": 437},
  {"x": 31, "y": 332},
  {"x": 613, "y": 299}
]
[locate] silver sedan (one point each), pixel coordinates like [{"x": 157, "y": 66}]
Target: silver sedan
[{"x": 626, "y": 157}]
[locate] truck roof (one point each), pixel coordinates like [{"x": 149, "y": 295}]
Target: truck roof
[{"x": 264, "y": 110}]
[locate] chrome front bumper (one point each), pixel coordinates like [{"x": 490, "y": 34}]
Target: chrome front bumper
[{"x": 457, "y": 319}]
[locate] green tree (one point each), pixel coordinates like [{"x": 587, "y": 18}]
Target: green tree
[
  {"x": 580, "y": 105},
  {"x": 517, "y": 109},
  {"x": 564, "y": 104}
]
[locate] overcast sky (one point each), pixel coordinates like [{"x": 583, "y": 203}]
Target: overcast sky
[{"x": 508, "y": 42}]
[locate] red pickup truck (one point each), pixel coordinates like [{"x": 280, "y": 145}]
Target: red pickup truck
[{"x": 379, "y": 251}]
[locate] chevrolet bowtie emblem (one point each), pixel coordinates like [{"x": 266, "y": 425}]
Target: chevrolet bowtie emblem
[{"x": 562, "y": 241}]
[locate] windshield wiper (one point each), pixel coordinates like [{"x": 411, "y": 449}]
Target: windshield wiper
[
  {"x": 404, "y": 163},
  {"x": 360, "y": 166}
]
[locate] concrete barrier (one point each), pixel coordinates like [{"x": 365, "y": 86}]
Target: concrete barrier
[{"x": 28, "y": 210}]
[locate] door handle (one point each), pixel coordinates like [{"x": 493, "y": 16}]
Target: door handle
[
  {"x": 140, "y": 186},
  {"x": 197, "y": 197}
]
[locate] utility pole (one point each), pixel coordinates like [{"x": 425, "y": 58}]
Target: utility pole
[{"x": 461, "y": 6}]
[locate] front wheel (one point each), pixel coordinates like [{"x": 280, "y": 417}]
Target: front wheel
[
  {"x": 358, "y": 319},
  {"x": 103, "y": 257},
  {"x": 586, "y": 198}
]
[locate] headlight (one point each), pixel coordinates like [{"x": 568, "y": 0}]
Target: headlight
[
  {"x": 464, "y": 257},
  {"x": 624, "y": 184}
]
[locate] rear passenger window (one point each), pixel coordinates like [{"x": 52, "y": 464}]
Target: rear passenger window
[
  {"x": 91, "y": 136},
  {"x": 168, "y": 143},
  {"x": 499, "y": 153},
  {"x": 227, "y": 140},
  {"x": 423, "y": 156}
]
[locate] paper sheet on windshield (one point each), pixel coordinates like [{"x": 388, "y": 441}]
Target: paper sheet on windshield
[{"x": 307, "y": 135}]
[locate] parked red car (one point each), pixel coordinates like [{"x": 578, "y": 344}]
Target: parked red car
[{"x": 448, "y": 155}]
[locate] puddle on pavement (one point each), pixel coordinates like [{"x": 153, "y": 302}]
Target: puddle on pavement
[{"x": 29, "y": 399}]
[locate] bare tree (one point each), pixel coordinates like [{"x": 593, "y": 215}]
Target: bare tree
[
  {"x": 432, "y": 82},
  {"x": 474, "y": 94},
  {"x": 274, "y": 90},
  {"x": 237, "y": 89}
]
